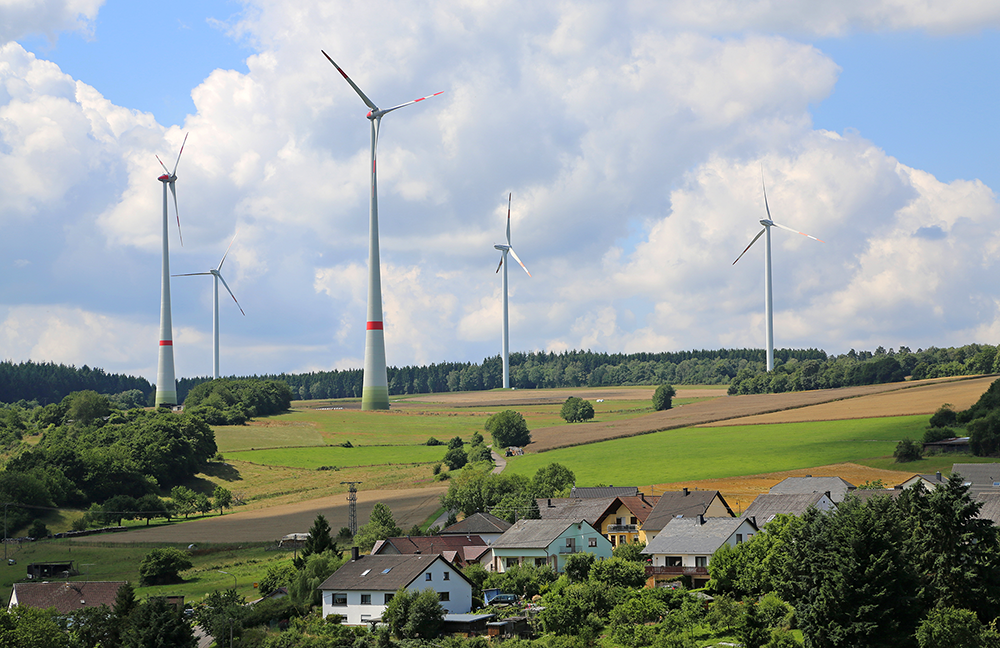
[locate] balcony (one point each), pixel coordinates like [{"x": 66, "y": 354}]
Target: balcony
[
  {"x": 676, "y": 571},
  {"x": 622, "y": 528}
]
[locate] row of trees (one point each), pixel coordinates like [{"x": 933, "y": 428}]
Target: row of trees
[
  {"x": 46, "y": 382},
  {"x": 234, "y": 401},
  {"x": 511, "y": 497}
]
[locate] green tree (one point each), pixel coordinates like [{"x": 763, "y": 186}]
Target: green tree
[
  {"x": 578, "y": 566},
  {"x": 85, "y": 407},
  {"x": 618, "y": 572},
  {"x": 155, "y": 624},
  {"x": 725, "y": 614},
  {"x": 508, "y": 429},
  {"x": 277, "y": 575},
  {"x": 907, "y": 450},
  {"x": 223, "y": 614},
  {"x": 553, "y": 480},
  {"x": 222, "y": 498},
  {"x": 575, "y": 410},
  {"x": 184, "y": 500},
  {"x": 945, "y": 416},
  {"x": 523, "y": 580},
  {"x": 455, "y": 458},
  {"x": 28, "y": 627},
  {"x": 479, "y": 453},
  {"x": 317, "y": 541},
  {"x": 949, "y": 627},
  {"x": 303, "y": 589},
  {"x": 414, "y": 615},
  {"x": 455, "y": 442},
  {"x": 663, "y": 397},
  {"x": 163, "y": 566},
  {"x": 381, "y": 525}
]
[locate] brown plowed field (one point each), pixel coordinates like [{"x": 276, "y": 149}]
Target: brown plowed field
[
  {"x": 729, "y": 408},
  {"x": 409, "y": 507},
  {"x": 741, "y": 491}
]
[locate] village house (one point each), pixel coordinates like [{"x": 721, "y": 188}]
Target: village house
[
  {"x": 486, "y": 526},
  {"x": 837, "y": 487},
  {"x": 65, "y": 597},
  {"x": 685, "y": 546},
  {"x": 460, "y": 550},
  {"x": 685, "y": 503},
  {"x": 545, "y": 542},
  {"x": 766, "y": 506}
]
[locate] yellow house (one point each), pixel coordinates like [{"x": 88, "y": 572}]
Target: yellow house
[
  {"x": 685, "y": 503},
  {"x": 623, "y": 521}
]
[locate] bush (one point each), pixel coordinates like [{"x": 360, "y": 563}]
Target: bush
[
  {"x": 576, "y": 409},
  {"x": 38, "y": 530},
  {"x": 907, "y": 450},
  {"x": 163, "y": 567},
  {"x": 433, "y": 442},
  {"x": 663, "y": 397},
  {"x": 455, "y": 443},
  {"x": 944, "y": 417},
  {"x": 455, "y": 458},
  {"x": 933, "y": 434}
]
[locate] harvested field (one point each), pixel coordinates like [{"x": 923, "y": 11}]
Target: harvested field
[
  {"x": 919, "y": 399},
  {"x": 741, "y": 491},
  {"x": 728, "y": 408},
  {"x": 409, "y": 507},
  {"x": 526, "y": 397}
]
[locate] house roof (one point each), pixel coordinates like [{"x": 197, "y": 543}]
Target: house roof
[
  {"x": 640, "y": 506},
  {"x": 66, "y": 597},
  {"x": 836, "y": 486},
  {"x": 933, "y": 478},
  {"x": 584, "y": 492},
  {"x": 981, "y": 476},
  {"x": 477, "y": 523},
  {"x": 683, "y": 503},
  {"x": 766, "y": 505},
  {"x": 533, "y": 534},
  {"x": 381, "y": 573},
  {"x": 693, "y": 536},
  {"x": 430, "y": 544},
  {"x": 570, "y": 508}
]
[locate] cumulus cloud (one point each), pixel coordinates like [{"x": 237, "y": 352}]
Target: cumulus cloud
[{"x": 20, "y": 18}]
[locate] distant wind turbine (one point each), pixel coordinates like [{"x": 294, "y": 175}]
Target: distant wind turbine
[
  {"x": 166, "y": 385},
  {"x": 375, "y": 386},
  {"x": 217, "y": 274},
  {"x": 504, "y": 249},
  {"x": 768, "y": 306}
]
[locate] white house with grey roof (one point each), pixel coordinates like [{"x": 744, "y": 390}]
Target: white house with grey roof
[
  {"x": 685, "y": 545},
  {"x": 545, "y": 542},
  {"x": 362, "y": 587},
  {"x": 766, "y": 506},
  {"x": 836, "y": 487}
]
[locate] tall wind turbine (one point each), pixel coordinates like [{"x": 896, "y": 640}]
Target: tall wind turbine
[
  {"x": 768, "y": 312},
  {"x": 166, "y": 384},
  {"x": 504, "y": 249},
  {"x": 217, "y": 274},
  {"x": 375, "y": 386}
]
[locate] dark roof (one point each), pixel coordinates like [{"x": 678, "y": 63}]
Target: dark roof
[
  {"x": 428, "y": 544},
  {"x": 532, "y": 534},
  {"x": 381, "y": 573},
  {"x": 694, "y": 536},
  {"x": 574, "y": 508},
  {"x": 683, "y": 503},
  {"x": 603, "y": 491},
  {"x": 980, "y": 476},
  {"x": 991, "y": 507},
  {"x": 641, "y": 506},
  {"x": 477, "y": 523},
  {"x": 66, "y": 597},
  {"x": 766, "y": 505},
  {"x": 836, "y": 486}
]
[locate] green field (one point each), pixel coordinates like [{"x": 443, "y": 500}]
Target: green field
[
  {"x": 716, "y": 452},
  {"x": 313, "y": 458}
]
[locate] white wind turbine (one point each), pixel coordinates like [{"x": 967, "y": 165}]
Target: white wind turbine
[
  {"x": 216, "y": 273},
  {"x": 166, "y": 384},
  {"x": 375, "y": 386},
  {"x": 504, "y": 249},
  {"x": 768, "y": 312}
]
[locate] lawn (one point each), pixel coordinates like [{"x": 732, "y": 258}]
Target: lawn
[
  {"x": 313, "y": 458},
  {"x": 704, "y": 453}
]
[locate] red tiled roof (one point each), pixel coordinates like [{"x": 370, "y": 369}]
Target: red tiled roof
[{"x": 66, "y": 597}]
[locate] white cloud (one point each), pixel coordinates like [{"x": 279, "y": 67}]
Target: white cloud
[{"x": 20, "y": 18}]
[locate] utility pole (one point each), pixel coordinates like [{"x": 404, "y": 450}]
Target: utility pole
[{"x": 352, "y": 505}]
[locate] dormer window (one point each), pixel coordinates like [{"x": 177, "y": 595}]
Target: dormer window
[{"x": 427, "y": 576}]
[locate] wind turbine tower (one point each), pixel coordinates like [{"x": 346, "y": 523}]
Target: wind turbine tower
[
  {"x": 166, "y": 384},
  {"x": 216, "y": 273},
  {"x": 375, "y": 385},
  {"x": 504, "y": 249},
  {"x": 768, "y": 300}
]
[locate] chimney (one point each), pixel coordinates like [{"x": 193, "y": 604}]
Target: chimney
[
  {"x": 753, "y": 520},
  {"x": 550, "y": 502},
  {"x": 828, "y": 496},
  {"x": 355, "y": 553},
  {"x": 701, "y": 519},
  {"x": 685, "y": 491},
  {"x": 938, "y": 475}
]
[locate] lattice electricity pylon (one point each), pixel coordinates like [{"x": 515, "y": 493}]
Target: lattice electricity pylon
[{"x": 352, "y": 505}]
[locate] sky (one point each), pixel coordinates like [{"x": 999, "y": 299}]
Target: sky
[{"x": 631, "y": 135}]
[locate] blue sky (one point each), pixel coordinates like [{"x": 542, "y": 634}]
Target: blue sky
[{"x": 632, "y": 137}]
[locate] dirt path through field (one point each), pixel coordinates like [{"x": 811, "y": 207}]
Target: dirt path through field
[{"x": 409, "y": 507}]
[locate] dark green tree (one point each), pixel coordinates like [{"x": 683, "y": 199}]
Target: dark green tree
[
  {"x": 455, "y": 442},
  {"x": 28, "y": 627},
  {"x": 553, "y": 480},
  {"x": 163, "y": 566},
  {"x": 318, "y": 540},
  {"x": 631, "y": 551},
  {"x": 508, "y": 429},
  {"x": 223, "y": 613},
  {"x": 949, "y": 627},
  {"x": 222, "y": 498},
  {"x": 578, "y": 566},
  {"x": 155, "y": 624},
  {"x": 414, "y": 615},
  {"x": 575, "y": 410},
  {"x": 663, "y": 397},
  {"x": 907, "y": 450},
  {"x": 381, "y": 525},
  {"x": 618, "y": 572},
  {"x": 455, "y": 458}
]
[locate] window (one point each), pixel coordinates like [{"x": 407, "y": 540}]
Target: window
[
  {"x": 592, "y": 542},
  {"x": 635, "y": 520},
  {"x": 340, "y": 598},
  {"x": 569, "y": 542},
  {"x": 447, "y": 575},
  {"x": 612, "y": 539},
  {"x": 739, "y": 538},
  {"x": 388, "y": 597},
  {"x": 540, "y": 562},
  {"x": 444, "y": 596},
  {"x": 366, "y": 599},
  {"x": 672, "y": 561},
  {"x": 701, "y": 561},
  {"x": 427, "y": 576}
]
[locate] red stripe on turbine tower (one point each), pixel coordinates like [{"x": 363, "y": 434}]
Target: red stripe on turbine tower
[
  {"x": 166, "y": 343},
  {"x": 374, "y": 326}
]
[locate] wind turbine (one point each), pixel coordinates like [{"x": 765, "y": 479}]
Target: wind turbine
[
  {"x": 768, "y": 312},
  {"x": 166, "y": 384},
  {"x": 375, "y": 386},
  {"x": 504, "y": 249},
  {"x": 217, "y": 274}
]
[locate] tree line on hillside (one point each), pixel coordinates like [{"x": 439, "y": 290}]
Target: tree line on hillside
[{"x": 47, "y": 382}]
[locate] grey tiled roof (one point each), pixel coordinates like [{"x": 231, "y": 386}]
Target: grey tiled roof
[
  {"x": 604, "y": 491},
  {"x": 477, "y": 523},
  {"x": 981, "y": 475},
  {"x": 569, "y": 508},
  {"x": 766, "y": 505},
  {"x": 679, "y": 503},
  {"x": 837, "y": 487},
  {"x": 531, "y": 534},
  {"x": 380, "y": 573},
  {"x": 991, "y": 507},
  {"x": 689, "y": 536}
]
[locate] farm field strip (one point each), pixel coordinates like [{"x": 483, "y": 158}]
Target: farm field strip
[
  {"x": 313, "y": 458},
  {"x": 701, "y": 453}
]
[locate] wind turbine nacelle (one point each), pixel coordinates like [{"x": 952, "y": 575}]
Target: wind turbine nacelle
[
  {"x": 502, "y": 248},
  {"x": 766, "y": 223},
  {"x": 164, "y": 178}
]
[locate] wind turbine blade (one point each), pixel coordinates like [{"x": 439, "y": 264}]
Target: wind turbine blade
[
  {"x": 766, "y": 208},
  {"x": 191, "y": 274},
  {"x": 173, "y": 190},
  {"x": 368, "y": 102},
  {"x": 227, "y": 252},
  {"x": 165, "y": 169},
  {"x": 403, "y": 105},
  {"x": 179, "y": 153},
  {"x": 508, "y": 217},
  {"x": 514, "y": 254},
  {"x": 749, "y": 246},
  {"x": 501, "y": 264},
  {"x": 797, "y": 232},
  {"x": 231, "y": 294}
]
